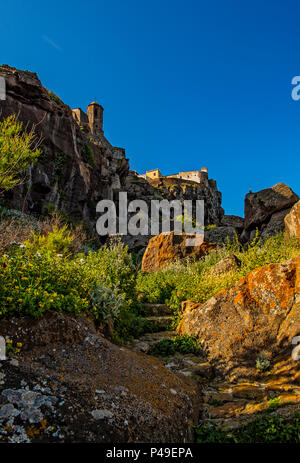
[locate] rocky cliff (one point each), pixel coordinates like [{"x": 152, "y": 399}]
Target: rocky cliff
[
  {"x": 76, "y": 169},
  {"x": 173, "y": 189}
]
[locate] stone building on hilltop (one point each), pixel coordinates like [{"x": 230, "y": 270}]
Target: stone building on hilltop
[
  {"x": 198, "y": 176},
  {"x": 92, "y": 124}
]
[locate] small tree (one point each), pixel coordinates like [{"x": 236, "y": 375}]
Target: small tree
[{"x": 18, "y": 149}]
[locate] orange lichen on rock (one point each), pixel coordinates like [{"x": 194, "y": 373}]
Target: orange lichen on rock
[
  {"x": 260, "y": 312},
  {"x": 168, "y": 247}
]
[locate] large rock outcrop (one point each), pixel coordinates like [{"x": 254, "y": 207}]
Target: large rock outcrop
[
  {"x": 69, "y": 384},
  {"x": 260, "y": 313},
  {"x": 168, "y": 247},
  {"x": 175, "y": 189},
  {"x": 266, "y": 209},
  {"x": 292, "y": 222},
  {"x": 76, "y": 169}
]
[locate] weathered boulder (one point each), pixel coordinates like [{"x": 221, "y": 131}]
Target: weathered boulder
[
  {"x": 275, "y": 224},
  {"x": 225, "y": 265},
  {"x": 88, "y": 389},
  {"x": 220, "y": 235},
  {"x": 260, "y": 312},
  {"x": 168, "y": 247},
  {"x": 260, "y": 206},
  {"x": 233, "y": 221},
  {"x": 292, "y": 222}
]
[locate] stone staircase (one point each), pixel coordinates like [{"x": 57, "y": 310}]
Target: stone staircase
[
  {"x": 186, "y": 364},
  {"x": 229, "y": 403},
  {"x": 159, "y": 315}
]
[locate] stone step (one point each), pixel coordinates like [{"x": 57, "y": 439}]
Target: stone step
[
  {"x": 189, "y": 365},
  {"x": 160, "y": 322},
  {"x": 157, "y": 309},
  {"x": 147, "y": 341}
]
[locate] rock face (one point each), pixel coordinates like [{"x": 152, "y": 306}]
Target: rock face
[
  {"x": 266, "y": 210},
  {"x": 168, "y": 247},
  {"x": 292, "y": 222},
  {"x": 228, "y": 263},
  {"x": 260, "y": 313},
  {"x": 77, "y": 167},
  {"x": 220, "y": 234},
  {"x": 86, "y": 389},
  {"x": 234, "y": 221},
  {"x": 173, "y": 189}
]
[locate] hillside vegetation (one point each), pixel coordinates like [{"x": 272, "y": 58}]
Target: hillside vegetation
[{"x": 52, "y": 269}]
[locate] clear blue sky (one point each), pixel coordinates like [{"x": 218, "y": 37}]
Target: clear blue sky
[{"x": 184, "y": 84}]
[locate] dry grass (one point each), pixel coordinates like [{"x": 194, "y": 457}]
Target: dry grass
[{"x": 16, "y": 230}]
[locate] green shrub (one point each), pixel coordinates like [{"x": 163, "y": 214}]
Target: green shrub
[
  {"x": 262, "y": 363},
  {"x": 274, "y": 403},
  {"x": 41, "y": 275},
  {"x": 264, "y": 429},
  {"x": 18, "y": 149},
  {"x": 55, "y": 98},
  {"x": 106, "y": 301},
  {"x": 182, "y": 344},
  {"x": 129, "y": 325},
  {"x": 59, "y": 241},
  {"x": 197, "y": 281},
  {"x": 88, "y": 155}
]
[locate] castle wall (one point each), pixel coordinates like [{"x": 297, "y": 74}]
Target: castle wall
[
  {"x": 192, "y": 175},
  {"x": 153, "y": 174},
  {"x": 80, "y": 116}
]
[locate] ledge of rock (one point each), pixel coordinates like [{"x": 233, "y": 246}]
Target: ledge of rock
[
  {"x": 89, "y": 390},
  {"x": 292, "y": 222}
]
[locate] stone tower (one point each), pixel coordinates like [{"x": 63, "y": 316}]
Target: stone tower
[{"x": 95, "y": 116}]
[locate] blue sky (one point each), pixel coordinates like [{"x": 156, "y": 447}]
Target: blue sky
[{"x": 184, "y": 84}]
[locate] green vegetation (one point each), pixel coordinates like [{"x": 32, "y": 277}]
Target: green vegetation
[
  {"x": 18, "y": 149},
  {"x": 55, "y": 98},
  {"x": 43, "y": 273},
  {"x": 51, "y": 266},
  {"x": 262, "y": 363},
  {"x": 182, "y": 344},
  {"x": 48, "y": 209},
  {"x": 196, "y": 281},
  {"x": 274, "y": 403},
  {"x": 88, "y": 155},
  {"x": 264, "y": 429}
]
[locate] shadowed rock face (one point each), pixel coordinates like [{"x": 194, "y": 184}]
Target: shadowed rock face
[
  {"x": 176, "y": 189},
  {"x": 75, "y": 170},
  {"x": 292, "y": 222},
  {"x": 260, "y": 312},
  {"x": 266, "y": 210},
  {"x": 79, "y": 387}
]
